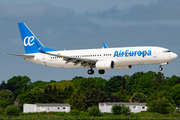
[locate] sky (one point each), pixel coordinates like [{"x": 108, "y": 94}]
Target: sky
[{"x": 86, "y": 24}]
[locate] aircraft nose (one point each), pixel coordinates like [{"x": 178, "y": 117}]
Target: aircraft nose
[{"x": 174, "y": 56}]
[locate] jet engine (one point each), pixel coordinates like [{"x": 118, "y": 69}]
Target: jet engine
[{"x": 105, "y": 64}]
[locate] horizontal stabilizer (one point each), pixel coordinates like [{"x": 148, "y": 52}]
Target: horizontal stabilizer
[{"x": 23, "y": 55}]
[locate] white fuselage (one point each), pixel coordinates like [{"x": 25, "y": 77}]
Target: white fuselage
[
  {"x": 101, "y": 59},
  {"x": 122, "y": 57}
]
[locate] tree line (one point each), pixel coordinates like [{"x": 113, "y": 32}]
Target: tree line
[{"x": 159, "y": 92}]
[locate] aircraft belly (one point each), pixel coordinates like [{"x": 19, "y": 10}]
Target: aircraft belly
[
  {"x": 31, "y": 60},
  {"x": 61, "y": 64},
  {"x": 54, "y": 63},
  {"x": 160, "y": 59},
  {"x": 133, "y": 61}
]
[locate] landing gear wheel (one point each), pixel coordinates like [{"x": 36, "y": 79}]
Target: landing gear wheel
[
  {"x": 90, "y": 71},
  {"x": 160, "y": 68},
  {"x": 101, "y": 71}
]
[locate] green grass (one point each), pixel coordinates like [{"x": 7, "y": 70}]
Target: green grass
[
  {"x": 84, "y": 116},
  {"x": 82, "y": 113},
  {"x": 148, "y": 114}
]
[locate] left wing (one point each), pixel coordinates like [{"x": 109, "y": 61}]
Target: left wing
[{"x": 84, "y": 62}]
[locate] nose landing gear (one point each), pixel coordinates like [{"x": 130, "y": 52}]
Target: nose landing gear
[{"x": 160, "y": 68}]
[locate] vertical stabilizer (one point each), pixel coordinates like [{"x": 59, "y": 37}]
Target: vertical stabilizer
[{"x": 29, "y": 40}]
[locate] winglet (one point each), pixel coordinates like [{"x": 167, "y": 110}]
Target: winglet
[{"x": 104, "y": 45}]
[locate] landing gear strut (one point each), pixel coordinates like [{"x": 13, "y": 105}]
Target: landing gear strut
[
  {"x": 160, "y": 68},
  {"x": 101, "y": 71},
  {"x": 90, "y": 71}
]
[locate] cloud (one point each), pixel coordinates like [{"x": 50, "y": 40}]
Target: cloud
[
  {"x": 34, "y": 11},
  {"x": 47, "y": 21},
  {"x": 41, "y": 12},
  {"x": 160, "y": 10},
  {"x": 61, "y": 25}
]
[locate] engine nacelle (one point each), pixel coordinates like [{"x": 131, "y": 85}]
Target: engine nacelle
[
  {"x": 123, "y": 67},
  {"x": 105, "y": 64},
  {"x": 164, "y": 63}
]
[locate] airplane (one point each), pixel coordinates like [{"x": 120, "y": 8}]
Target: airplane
[{"x": 101, "y": 59}]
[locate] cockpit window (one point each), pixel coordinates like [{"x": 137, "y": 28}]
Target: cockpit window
[{"x": 166, "y": 51}]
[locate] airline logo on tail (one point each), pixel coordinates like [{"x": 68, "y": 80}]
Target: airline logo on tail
[{"x": 29, "y": 41}]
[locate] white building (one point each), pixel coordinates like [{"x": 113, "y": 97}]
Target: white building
[
  {"x": 64, "y": 107},
  {"x": 134, "y": 107}
]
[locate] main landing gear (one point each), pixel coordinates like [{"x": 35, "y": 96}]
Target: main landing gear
[
  {"x": 101, "y": 71},
  {"x": 91, "y": 71},
  {"x": 160, "y": 68}
]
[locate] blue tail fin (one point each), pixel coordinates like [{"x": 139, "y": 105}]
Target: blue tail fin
[{"x": 29, "y": 40}]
